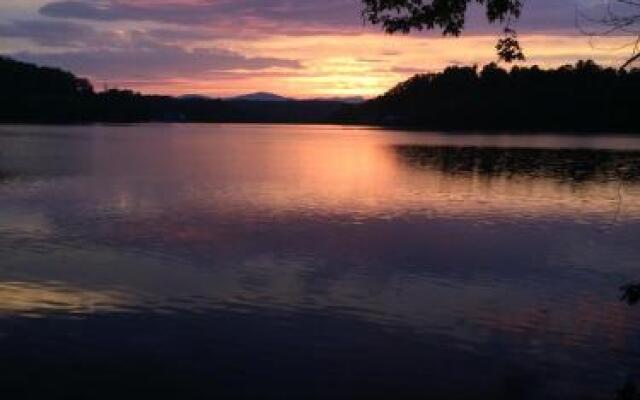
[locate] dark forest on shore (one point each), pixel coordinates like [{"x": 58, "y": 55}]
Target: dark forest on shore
[
  {"x": 582, "y": 97},
  {"x": 33, "y": 94}
]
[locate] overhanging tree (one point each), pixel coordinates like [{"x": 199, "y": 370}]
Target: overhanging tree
[
  {"x": 615, "y": 18},
  {"x": 448, "y": 16}
]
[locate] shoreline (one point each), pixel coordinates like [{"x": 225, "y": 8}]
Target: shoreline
[{"x": 408, "y": 128}]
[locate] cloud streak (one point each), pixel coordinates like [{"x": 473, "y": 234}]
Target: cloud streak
[
  {"x": 50, "y": 33},
  {"x": 150, "y": 60}
]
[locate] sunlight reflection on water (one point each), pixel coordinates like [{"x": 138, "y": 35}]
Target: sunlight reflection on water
[{"x": 467, "y": 249}]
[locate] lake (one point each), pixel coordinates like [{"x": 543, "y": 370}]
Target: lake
[{"x": 284, "y": 261}]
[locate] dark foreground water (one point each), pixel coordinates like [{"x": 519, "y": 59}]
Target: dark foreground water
[{"x": 226, "y": 261}]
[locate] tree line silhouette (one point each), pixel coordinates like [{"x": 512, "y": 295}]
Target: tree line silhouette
[
  {"x": 584, "y": 97},
  {"x": 48, "y": 95}
]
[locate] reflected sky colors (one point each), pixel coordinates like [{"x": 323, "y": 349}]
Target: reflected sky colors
[
  {"x": 295, "y": 48},
  {"x": 339, "y": 245}
]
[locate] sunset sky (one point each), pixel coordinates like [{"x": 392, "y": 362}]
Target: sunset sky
[{"x": 299, "y": 48}]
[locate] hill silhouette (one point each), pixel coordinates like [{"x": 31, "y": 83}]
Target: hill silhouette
[
  {"x": 261, "y": 96},
  {"x": 33, "y": 94},
  {"x": 582, "y": 97}
]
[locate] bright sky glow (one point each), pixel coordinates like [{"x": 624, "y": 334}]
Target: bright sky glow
[{"x": 299, "y": 48}]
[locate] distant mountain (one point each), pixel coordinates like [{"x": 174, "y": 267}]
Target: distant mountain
[
  {"x": 260, "y": 96},
  {"x": 266, "y": 96}
]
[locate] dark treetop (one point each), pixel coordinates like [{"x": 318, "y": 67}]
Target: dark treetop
[
  {"x": 584, "y": 97},
  {"x": 447, "y": 16}
]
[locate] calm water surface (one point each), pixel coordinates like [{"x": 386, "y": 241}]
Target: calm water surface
[{"x": 261, "y": 261}]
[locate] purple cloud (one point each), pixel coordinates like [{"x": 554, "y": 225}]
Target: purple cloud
[
  {"x": 274, "y": 15},
  {"x": 295, "y": 16},
  {"x": 49, "y": 33},
  {"x": 154, "y": 61}
]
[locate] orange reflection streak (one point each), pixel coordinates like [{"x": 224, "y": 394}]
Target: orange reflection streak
[
  {"x": 335, "y": 171},
  {"x": 33, "y": 299},
  {"x": 359, "y": 173}
]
